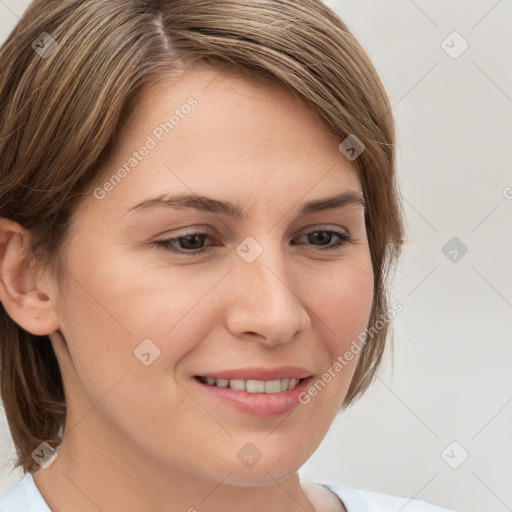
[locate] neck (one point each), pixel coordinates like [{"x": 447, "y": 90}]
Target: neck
[{"x": 101, "y": 470}]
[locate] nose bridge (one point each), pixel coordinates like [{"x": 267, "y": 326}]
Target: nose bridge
[
  {"x": 267, "y": 302},
  {"x": 264, "y": 268}
]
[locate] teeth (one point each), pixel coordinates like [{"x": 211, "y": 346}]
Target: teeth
[
  {"x": 253, "y": 386},
  {"x": 257, "y": 386},
  {"x": 272, "y": 386},
  {"x": 237, "y": 385}
]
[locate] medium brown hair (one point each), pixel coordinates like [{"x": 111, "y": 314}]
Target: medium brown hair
[{"x": 61, "y": 113}]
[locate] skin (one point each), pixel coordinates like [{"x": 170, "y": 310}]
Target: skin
[{"x": 148, "y": 438}]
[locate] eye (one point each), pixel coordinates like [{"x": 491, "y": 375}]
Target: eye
[
  {"x": 189, "y": 243},
  {"x": 192, "y": 243},
  {"x": 325, "y": 235}
]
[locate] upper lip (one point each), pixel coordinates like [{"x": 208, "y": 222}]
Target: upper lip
[{"x": 260, "y": 373}]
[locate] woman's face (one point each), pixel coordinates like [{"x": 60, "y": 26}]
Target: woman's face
[{"x": 261, "y": 290}]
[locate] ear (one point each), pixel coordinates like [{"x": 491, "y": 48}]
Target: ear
[{"x": 27, "y": 302}]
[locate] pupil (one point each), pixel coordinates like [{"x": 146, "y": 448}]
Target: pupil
[
  {"x": 187, "y": 240},
  {"x": 325, "y": 237}
]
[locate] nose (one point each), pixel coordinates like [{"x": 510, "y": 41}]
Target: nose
[{"x": 266, "y": 304}]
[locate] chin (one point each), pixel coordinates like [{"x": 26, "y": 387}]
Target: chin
[
  {"x": 244, "y": 465},
  {"x": 260, "y": 475}
]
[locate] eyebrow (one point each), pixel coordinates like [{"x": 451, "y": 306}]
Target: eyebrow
[{"x": 211, "y": 205}]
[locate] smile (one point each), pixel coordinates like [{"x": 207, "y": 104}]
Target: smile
[{"x": 253, "y": 386}]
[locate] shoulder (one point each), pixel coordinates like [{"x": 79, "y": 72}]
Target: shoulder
[
  {"x": 360, "y": 500},
  {"x": 24, "y": 496}
]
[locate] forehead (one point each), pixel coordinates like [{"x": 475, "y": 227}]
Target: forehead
[
  {"x": 230, "y": 107},
  {"x": 241, "y": 135}
]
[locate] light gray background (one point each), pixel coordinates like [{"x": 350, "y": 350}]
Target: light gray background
[{"x": 452, "y": 364}]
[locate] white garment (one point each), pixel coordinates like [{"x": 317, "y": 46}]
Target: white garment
[{"x": 25, "y": 497}]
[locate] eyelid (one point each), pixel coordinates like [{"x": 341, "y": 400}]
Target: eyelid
[
  {"x": 323, "y": 227},
  {"x": 343, "y": 235},
  {"x": 208, "y": 231},
  {"x": 187, "y": 231}
]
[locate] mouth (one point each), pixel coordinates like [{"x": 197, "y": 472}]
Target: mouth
[
  {"x": 259, "y": 391},
  {"x": 253, "y": 385},
  {"x": 258, "y": 398}
]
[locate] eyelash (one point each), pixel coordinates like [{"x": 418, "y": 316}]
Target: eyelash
[{"x": 166, "y": 244}]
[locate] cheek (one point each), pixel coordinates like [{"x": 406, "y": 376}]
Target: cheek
[
  {"x": 342, "y": 307},
  {"x": 125, "y": 337},
  {"x": 122, "y": 317},
  {"x": 343, "y": 302}
]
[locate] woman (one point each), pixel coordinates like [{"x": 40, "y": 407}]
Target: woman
[{"x": 198, "y": 216}]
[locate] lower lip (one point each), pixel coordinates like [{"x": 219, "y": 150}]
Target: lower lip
[{"x": 258, "y": 404}]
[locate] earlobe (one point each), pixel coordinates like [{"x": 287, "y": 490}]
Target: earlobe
[{"x": 27, "y": 304}]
